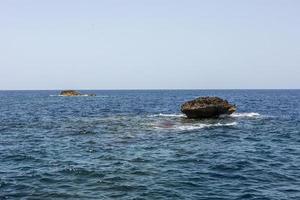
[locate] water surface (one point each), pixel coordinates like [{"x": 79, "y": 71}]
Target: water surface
[{"x": 137, "y": 145}]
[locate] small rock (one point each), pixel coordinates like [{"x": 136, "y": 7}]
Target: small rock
[{"x": 70, "y": 93}]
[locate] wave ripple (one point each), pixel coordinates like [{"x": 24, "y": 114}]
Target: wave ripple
[{"x": 136, "y": 145}]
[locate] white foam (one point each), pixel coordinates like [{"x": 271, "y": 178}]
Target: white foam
[
  {"x": 234, "y": 115},
  {"x": 248, "y": 115},
  {"x": 201, "y": 126},
  {"x": 167, "y": 115},
  {"x": 196, "y": 126},
  {"x": 58, "y": 95}
]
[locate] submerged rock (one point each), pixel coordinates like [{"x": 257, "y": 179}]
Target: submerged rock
[
  {"x": 207, "y": 107},
  {"x": 69, "y": 93}
]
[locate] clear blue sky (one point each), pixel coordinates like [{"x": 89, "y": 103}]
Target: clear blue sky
[{"x": 149, "y": 44}]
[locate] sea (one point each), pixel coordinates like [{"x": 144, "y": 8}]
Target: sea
[{"x": 136, "y": 144}]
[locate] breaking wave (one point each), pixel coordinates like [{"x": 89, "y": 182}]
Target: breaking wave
[
  {"x": 248, "y": 115},
  {"x": 189, "y": 127},
  {"x": 58, "y": 95},
  {"x": 83, "y": 95},
  {"x": 201, "y": 126},
  {"x": 168, "y": 115},
  {"x": 234, "y": 115}
]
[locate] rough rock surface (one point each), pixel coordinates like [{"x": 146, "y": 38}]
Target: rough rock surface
[
  {"x": 207, "y": 107},
  {"x": 69, "y": 93}
]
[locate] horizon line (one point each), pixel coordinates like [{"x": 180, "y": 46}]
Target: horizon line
[{"x": 136, "y": 89}]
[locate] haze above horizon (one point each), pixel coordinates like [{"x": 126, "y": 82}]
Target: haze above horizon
[{"x": 149, "y": 44}]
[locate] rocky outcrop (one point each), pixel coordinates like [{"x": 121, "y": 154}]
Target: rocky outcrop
[
  {"x": 207, "y": 107},
  {"x": 69, "y": 93}
]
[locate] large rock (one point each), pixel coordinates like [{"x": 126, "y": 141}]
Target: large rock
[
  {"x": 69, "y": 93},
  {"x": 207, "y": 107}
]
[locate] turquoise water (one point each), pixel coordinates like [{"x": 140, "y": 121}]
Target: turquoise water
[{"x": 137, "y": 145}]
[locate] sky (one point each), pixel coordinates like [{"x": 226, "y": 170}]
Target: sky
[{"x": 149, "y": 44}]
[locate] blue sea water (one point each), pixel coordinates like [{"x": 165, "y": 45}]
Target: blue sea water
[{"x": 137, "y": 145}]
